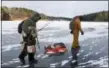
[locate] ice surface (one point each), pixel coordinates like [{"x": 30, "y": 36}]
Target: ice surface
[
  {"x": 64, "y": 62},
  {"x": 58, "y": 31},
  {"x": 10, "y": 27},
  {"x": 10, "y": 47}
]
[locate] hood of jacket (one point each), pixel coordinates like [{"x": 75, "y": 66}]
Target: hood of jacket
[{"x": 35, "y": 17}]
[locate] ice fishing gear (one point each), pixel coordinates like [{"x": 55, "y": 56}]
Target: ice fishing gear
[{"x": 57, "y": 48}]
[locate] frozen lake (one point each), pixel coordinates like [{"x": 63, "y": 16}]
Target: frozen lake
[{"x": 93, "y": 52}]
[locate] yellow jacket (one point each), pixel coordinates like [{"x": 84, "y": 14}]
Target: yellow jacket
[{"x": 77, "y": 28}]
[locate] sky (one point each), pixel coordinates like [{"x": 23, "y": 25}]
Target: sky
[{"x": 60, "y": 8}]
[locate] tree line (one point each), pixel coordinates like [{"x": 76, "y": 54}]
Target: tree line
[{"x": 23, "y": 13}]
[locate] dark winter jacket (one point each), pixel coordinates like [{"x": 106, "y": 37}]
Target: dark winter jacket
[{"x": 30, "y": 24}]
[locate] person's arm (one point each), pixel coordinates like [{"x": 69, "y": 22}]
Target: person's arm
[
  {"x": 20, "y": 27},
  {"x": 71, "y": 26},
  {"x": 79, "y": 26}
]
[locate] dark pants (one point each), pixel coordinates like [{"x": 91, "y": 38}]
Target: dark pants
[
  {"x": 29, "y": 41},
  {"x": 24, "y": 53},
  {"x": 74, "y": 52}
]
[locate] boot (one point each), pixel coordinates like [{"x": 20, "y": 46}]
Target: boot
[
  {"x": 22, "y": 61},
  {"x": 33, "y": 62}
]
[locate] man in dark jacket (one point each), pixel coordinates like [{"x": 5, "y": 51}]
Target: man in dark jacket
[{"x": 28, "y": 31}]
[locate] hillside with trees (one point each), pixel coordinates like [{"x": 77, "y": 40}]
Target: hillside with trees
[
  {"x": 98, "y": 16},
  {"x": 15, "y": 13},
  {"x": 23, "y": 13}
]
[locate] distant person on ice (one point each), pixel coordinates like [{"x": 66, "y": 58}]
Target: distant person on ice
[
  {"x": 27, "y": 29},
  {"x": 75, "y": 27}
]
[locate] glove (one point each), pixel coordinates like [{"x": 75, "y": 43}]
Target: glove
[
  {"x": 71, "y": 32},
  {"x": 82, "y": 33}
]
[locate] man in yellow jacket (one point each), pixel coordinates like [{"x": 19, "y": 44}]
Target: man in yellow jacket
[{"x": 75, "y": 27}]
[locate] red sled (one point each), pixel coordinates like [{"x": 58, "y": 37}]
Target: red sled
[{"x": 57, "y": 48}]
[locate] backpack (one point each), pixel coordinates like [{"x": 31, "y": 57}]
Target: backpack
[
  {"x": 20, "y": 27},
  {"x": 71, "y": 25}
]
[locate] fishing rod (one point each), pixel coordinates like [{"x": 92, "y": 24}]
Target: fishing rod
[
  {"x": 37, "y": 33},
  {"x": 43, "y": 27},
  {"x": 37, "y": 39}
]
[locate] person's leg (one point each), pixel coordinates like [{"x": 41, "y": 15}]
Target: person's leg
[
  {"x": 31, "y": 57},
  {"x": 75, "y": 45},
  {"x": 24, "y": 49},
  {"x": 75, "y": 49},
  {"x": 22, "y": 55},
  {"x": 74, "y": 54},
  {"x": 75, "y": 40},
  {"x": 32, "y": 54}
]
